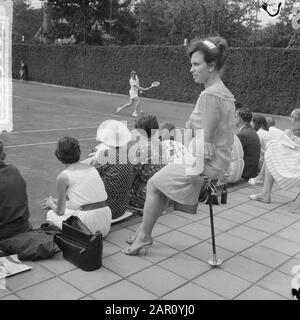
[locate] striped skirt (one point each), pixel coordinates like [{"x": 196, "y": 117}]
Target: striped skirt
[{"x": 284, "y": 164}]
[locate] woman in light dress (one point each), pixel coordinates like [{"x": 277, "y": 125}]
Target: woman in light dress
[
  {"x": 214, "y": 113},
  {"x": 282, "y": 164}
]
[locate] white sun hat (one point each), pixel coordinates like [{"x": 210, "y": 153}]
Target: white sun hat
[{"x": 113, "y": 133}]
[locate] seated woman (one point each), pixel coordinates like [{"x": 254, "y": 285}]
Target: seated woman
[
  {"x": 80, "y": 190},
  {"x": 111, "y": 162},
  {"x": 282, "y": 160},
  {"x": 213, "y": 120},
  {"x": 147, "y": 161},
  {"x": 283, "y": 136},
  {"x": 294, "y": 131},
  {"x": 260, "y": 126},
  {"x": 14, "y": 211}
]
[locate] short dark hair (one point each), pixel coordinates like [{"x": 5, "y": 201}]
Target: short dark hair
[
  {"x": 147, "y": 123},
  {"x": 245, "y": 114},
  {"x": 68, "y": 150},
  {"x": 259, "y": 121},
  {"x": 216, "y": 54}
]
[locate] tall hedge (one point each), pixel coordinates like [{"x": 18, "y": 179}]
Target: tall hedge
[{"x": 263, "y": 79}]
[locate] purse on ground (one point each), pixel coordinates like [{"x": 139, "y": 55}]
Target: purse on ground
[{"x": 79, "y": 245}]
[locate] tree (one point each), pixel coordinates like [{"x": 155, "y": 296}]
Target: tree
[
  {"x": 77, "y": 17},
  {"x": 170, "y": 21},
  {"x": 26, "y": 21}
]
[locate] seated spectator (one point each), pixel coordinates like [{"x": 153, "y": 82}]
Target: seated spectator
[
  {"x": 237, "y": 164},
  {"x": 172, "y": 149},
  {"x": 294, "y": 131},
  {"x": 260, "y": 126},
  {"x": 80, "y": 190},
  {"x": 282, "y": 160},
  {"x": 14, "y": 212},
  {"x": 278, "y": 135},
  {"x": 148, "y": 161},
  {"x": 275, "y": 132},
  {"x": 111, "y": 162},
  {"x": 250, "y": 142}
]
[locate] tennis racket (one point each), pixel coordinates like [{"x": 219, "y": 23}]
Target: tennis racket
[{"x": 155, "y": 84}]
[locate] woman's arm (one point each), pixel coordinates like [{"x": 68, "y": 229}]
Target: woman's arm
[
  {"x": 58, "y": 206},
  {"x": 141, "y": 88}
]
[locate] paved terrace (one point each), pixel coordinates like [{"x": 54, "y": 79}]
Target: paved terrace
[{"x": 259, "y": 244}]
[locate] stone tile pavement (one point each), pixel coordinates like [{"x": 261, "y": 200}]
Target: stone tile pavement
[{"x": 259, "y": 244}]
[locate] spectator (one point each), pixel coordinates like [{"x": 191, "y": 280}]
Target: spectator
[
  {"x": 80, "y": 190},
  {"x": 294, "y": 131},
  {"x": 261, "y": 127},
  {"x": 213, "y": 114},
  {"x": 172, "y": 149},
  {"x": 237, "y": 163},
  {"x": 113, "y": 165},
  {"x": 278, "y": 135},
  {"x": 14, "y": 212},
  {"x": 282, "y": 160},
  {"x": 275, "y": 133},
  {"x": 148, "y": 161},
  {"x": 23, "y": 71},
  {"x": 250, "y": 142}
]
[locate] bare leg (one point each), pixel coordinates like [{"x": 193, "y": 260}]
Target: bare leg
[
  {"x": 265, "y": 194},
  {"x": 136, "y": 108},
  {"x": 155, "y": 204},
  {"x": 129, "y": 104},
  {"x": 261, "y": 176}
]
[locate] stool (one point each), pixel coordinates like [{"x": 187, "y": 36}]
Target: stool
[{"x": 211, "y": 189}]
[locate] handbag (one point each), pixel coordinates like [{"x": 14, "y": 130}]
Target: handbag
[{"x": 79, "y": 245}]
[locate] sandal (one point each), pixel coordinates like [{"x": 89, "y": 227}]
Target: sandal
[{"x": 134, "y": 252}]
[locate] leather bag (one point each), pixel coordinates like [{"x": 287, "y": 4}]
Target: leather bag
[{"x": 79, "y": 245}]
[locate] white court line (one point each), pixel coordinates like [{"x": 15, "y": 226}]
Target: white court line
[
  {"x": 46, "y": 130},
  {"x": 70, "y": 106},
  {"x": 41, "y": 143}
]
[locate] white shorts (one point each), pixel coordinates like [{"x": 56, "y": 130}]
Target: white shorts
[
  {"x": 98, "y": 219},
  {"x": 133, "y": 94}
]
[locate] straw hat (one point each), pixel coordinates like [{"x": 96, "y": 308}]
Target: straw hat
[{"x": 113, "y": 133}]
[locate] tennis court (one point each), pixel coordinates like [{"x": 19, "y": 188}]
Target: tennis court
[{"x": 42, "y": 114}]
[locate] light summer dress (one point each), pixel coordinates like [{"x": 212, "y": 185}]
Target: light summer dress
[{"x": 214, "y": 112}]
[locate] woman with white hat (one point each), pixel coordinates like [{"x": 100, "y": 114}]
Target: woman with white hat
[{"x": 111, "y": 162}]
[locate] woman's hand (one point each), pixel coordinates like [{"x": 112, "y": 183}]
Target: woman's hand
[{"x": 49, "y": 203}]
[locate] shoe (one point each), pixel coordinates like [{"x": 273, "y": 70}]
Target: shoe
[
  {"x": 145, "y": 245},
  {"x": 257, "y": 198},
  {"x": 135, "y": 114},
  {"x": 254, "y": 182}
]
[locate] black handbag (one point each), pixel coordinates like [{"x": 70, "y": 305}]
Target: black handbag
[{"x": 79, "y": 245}]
